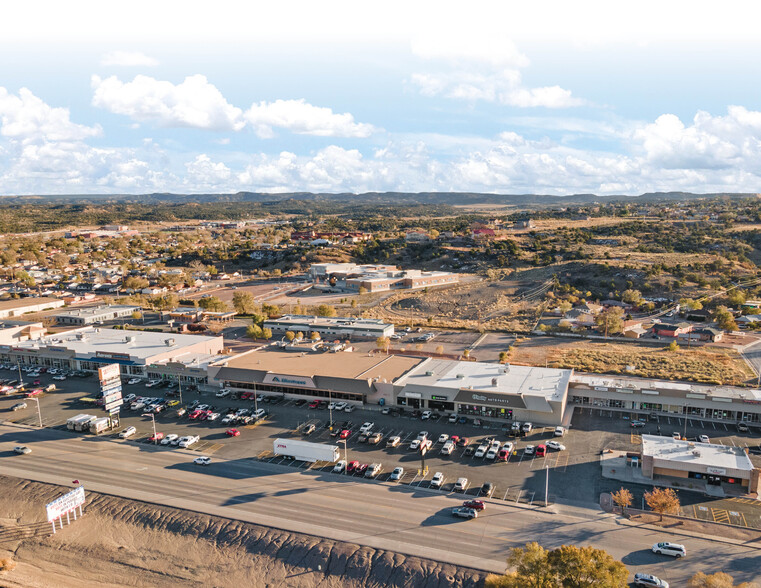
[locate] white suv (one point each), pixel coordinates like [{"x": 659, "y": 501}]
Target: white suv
[
  {"x": 461, "y": 485},
  {"x": 366, "y": 427},
  {"x": 672, "y": 549},
  {"x": 437, "y": 480}
]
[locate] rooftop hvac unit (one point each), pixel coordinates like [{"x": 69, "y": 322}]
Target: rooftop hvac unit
[
  {"x": 460, "y": 376},
  {"x": 129, "y": 339},
  {"x": 169, "y": 342},
  {"x": 494, "y": 381},
  {"x": 429, "y": 373},
  {"x": 696, "y": 453}
]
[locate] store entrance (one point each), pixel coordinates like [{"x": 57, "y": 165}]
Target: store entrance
[{"x": 439, "y": 405}]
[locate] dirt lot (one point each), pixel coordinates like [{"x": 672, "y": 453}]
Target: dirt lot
[
  {"x": 709, "y": 365},
  {"x": 127, "y": 543}
]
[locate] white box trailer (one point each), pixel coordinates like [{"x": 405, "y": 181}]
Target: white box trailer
[
  {"x": 84, "y": 424},
  {"x": 99, "y": 425},
  {"x": 306, "y": 451},
  {"x": 72, "y": 423}
]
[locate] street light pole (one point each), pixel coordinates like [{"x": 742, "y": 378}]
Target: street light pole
[
  {"x": 153, "y": 419},
  {"x": 39, "y": 414},
  {"x": 346, "y": 456},
  {"x": 546, "y": 485},
  {"x": 179, "y": 383}
]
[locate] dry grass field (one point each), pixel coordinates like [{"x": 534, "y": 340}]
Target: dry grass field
[{"x": 707, "y": 365}]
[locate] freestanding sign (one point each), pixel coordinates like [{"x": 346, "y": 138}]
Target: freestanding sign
[
  {"x": 64, "y": 505},
  {"x": 111, "y": 387}
]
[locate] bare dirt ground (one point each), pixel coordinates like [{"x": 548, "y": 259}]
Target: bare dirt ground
[{"x": 128, "y": 543}]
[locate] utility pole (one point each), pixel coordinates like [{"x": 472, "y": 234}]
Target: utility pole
[
  {"x": 153, "y": 418},
  {"x": 39, "y": 414},
  {"x": 346, "y": 455},
  {"x": 179, "y": 383}
]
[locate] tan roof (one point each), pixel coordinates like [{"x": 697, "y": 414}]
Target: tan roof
[
  {"x": 336, "y": 365},
  {"x": 24, "y": 302}
]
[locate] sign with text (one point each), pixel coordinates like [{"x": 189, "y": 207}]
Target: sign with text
[
  {"x": 109, "y": 372},
  {"x": 66, "y": 503},
  {"x": 282, "y": 380},
  {"x": 477, "y": 397}
]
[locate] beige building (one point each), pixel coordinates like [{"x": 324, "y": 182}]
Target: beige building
[{"x": 19, "y": 306}]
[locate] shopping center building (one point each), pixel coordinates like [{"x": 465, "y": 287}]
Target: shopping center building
[
  {"x": 644, "y": 396},
  {"x": 330, "y": 327},
  {"x": 90, "y": 348},
  {"x": 664, "y": 457}
]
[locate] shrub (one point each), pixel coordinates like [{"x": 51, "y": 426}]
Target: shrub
[{"x": 7, "y": 564}]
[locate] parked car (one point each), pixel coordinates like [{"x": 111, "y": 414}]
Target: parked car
[
  {"x": 18, "y": 406},
  {"x": 349, "y": 408},
  {"x": 203, "y": 460},
  {"x": 157, "y": 437},
  {"x": 397, "y": 474},
  {"x": 464, "y": 513},
  {"x": 704, "y": 439},
  {"x": 481, "y": 451},
  {"x": 742, "y": 427},
  {"x": 373, "y": 470},
  {"x": 344, "y": 434},
  {"x": 559, "y": 431},
  {"x": 232, "y": 433},
  {"x": 188, "y": 440},
  {"x": 452, "y": 418},
  {"x": 528, "y": 450},
  {"x": 637, "y": 424},
  {"x": 555, "y": 445},
  {"x": 366, "y": 427},
  {"x": 309, "y": 429},
  {"x": 415, "y": 445},
  {"x": 676, "y": 435},
  {"x": 447, "y": 448},
  {"x": 426, "y": 415},
  {"x": 443, "y": 438},
  {"x": 375, "y": 438},
  {"x": 541, "y": 450},
  {"x": 133, "y": 381},
  {"x": 437, "y": 480},
  {"x": 393, "y": 441},
  {"x": 340, "y": 467},
  {"x": 128, "y": 432},
  {"x": 462, "y": 441},
  {"x": 666, "y": 548},
  {"x": 487, "y": 489},
  {"x": 461, "y": 485},
  {"x": 169, "y": 438},
  {"x": 649, "y": 581}
]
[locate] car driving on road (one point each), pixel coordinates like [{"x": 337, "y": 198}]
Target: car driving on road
[
  {"x": 649, "y": 581},
  {"x": 464, "y": 513}
]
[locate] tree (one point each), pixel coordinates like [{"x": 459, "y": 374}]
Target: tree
[
  {"x": 565, "y": 306},
  {"x": 353, "y": 303},
  {"x": 383, "y": 343},
  {"x": 362, "y": 290},
  {"x": 567, "y": 566},
  {"x": 213, "y": 304},
  {"x": 673, "y": 346},
  {"x": 325, "y": 310},
  {"x": 725, "y": 320},
  {"x": 299, "y": 336},
  {"x": 244, "y": 303},
  {"x": 267, "y": 333},
  {"x": 717, "y": 580},
  {"x": 632, "y": 296},
  {"x": 137, "y": 315},
  {"x": 290, "y": 335},
  {"x": 314, "y": 336},
  {"x": 135, "y": 283},
  {"x": 623, "y": 498},
  {"x": 690, "y": 304},
  {"x": 736, "y": 297},
  {"x": 254, "y": 332},
  {"x": 466, "y": 353},
  {"x": 61, "y": 260},
  {"x": 440, "y": 349},
  {"x": 502, "y": 356},
  {"x": 663, "y": 501},
  {"x": 270, "y": 310},
  {"x": 610, "y": 320}
]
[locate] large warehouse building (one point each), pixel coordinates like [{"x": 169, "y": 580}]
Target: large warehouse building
[
  {"x": 716, "y": 464},
  {"x": 329, "y": 328},
  {"x": 19, "y": 306},
  {"x": 90, "y": 348},
  {"x": 94, "y": 315}
]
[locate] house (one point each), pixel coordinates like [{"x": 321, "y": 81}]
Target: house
[
  {"x": 669, "y": 330},
  {"x": 417, "y": 236},
  {"x": 482, "y": 233},
  {"x": 579, "y": 317},
  {"x": 699, "y": 316},
  {"x": 635, "y": 332},
  {"x": 591, "y": 307},
  {"x": 704, "y": 334},
  {"x": 747, "y": 320},
  {"x": 524, "y": 224}
]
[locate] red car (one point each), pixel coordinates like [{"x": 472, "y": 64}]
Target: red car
[
  {"x": 37, "y": 382},
  {"x": 246, "y": 395},
  {"x": 455, "y": 439},
  {"x": 314, "y": 404},
  {"x": 541, "y": 450},
  {"x": 156, "y": 437},
  {"x": 344, "y": 434},
  {"x": 503, "y": 455},
  {"x": 35, "y": 392},
  {"x": 233, "y": 432},
  {"x": 196, "y": 413},
  {"x": 351, "y": 466},
  {"x": 474, "y": 504},
  {"x": 361, "y": 469}
]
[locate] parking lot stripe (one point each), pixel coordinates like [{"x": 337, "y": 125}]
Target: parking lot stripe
[
  {"x": 714, "y": 424},
  {"x": 720, "y": 515}
]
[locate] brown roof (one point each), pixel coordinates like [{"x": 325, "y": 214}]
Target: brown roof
[
  {"x": 24, "y": 302},
  {"x": 336, "y": 365}
]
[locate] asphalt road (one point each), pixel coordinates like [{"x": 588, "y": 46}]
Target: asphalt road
[{"x": 401, "y": 518}]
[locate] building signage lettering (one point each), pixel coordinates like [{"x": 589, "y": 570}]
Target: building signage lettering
[
  {"x": 289, "y": 380},
  {"x": 625, "y": 390},
  {"x": 112, "y": 355},
  {"x": 435, "y": 397},
  {"x": 468, "y": 396},
  {"x": 65, "y": 503},
  {"x": 653, "y": 392},
  {"x": 601, "y": 389},
  {"x": 716, "y": 471},
  {"x": 698, "y": 396},
  {"x": 109, "y": 372},
  {"x": 752, "y": 401}
]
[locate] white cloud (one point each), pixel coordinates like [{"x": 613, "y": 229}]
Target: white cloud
[
  {"x": 203, "y": 173},
  {"x": 128, "y": 59},
  {"x": 300, "y": 117},
  {"x": 27, "y": 118},
  {"x": 457, "y": 46},
  {"x": 194, "y": 103}
]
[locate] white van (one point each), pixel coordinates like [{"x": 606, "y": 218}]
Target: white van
[
  {"x": 461, "y": 485},
  {"x": 672, "y": 549},
  {"x": 258, "y": 414}
]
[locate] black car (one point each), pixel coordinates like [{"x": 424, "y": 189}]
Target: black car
[
  {"x": 322, "y": 404},
  {"x": 300, "y": 402},
  {"x": 416, "y": 414},
  {"x": 487, "y": 489}
]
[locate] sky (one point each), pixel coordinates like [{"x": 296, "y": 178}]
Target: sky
[{"x": 495, "y": 97}]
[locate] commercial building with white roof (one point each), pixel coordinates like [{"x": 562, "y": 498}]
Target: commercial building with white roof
[
  {"x": 716, "y": 464},
  {"x": 330, "y": 327},
  {"x": 90, "y": 348},
  {"x": 81, "y": 317},
  {"x": 489, "y": 390},
  {"x": 647, "y": 396}
]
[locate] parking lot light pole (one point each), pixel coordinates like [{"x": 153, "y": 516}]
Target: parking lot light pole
[
  {"x": 346, "y": 456},
  {"x": 39, "y": 414},
  {"x": 153, "y": 419},
  {"x": 179, "y": 383},
  {"x": 546, "y": 485}
]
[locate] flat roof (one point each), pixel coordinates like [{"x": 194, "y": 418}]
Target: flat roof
[
  {"x": 699, "y": 454},
  {"x": 336, "y": 365},
  {"x": 549, "y": 383},
  {"x": 96, "y": 310},
  {"x": 24, "y": 302},
  {"x": 322, "y": 321},
  {"x": 638, "y": 384},
  {"x": 88, "y": 341}
]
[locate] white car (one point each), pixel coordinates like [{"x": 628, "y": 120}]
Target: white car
[
  {"x": 492, "y": 453},
  {"x": 453, "y": 418},
  {"x": 676, "y": 435},
  {"x": 366, "y": 427},
  {"x": 332, "y": 406},
  {"x": 704, "y": 439},
  {"x": 133, "y": 381},
  {"x": 189, "y": 440},
  {"x": 349, "y": 408},
  {"x": 222, "y": 393},
  {"x": 481, "y": 451},
  {"x": 529, "y": 450},
  {"x": 393, "y": 441},
  {"x": 437, "y": 480},
  {"x": 415, "y": 445},
  {"x": 137, "y": 405},
  {"x": 128, "y": 432},
  {"x": 422, "y": 435},
  {"x": 461, "y": 485},
  {"x": 59, "y": 378},
  {"x": 339, "y": 467},
  {"x": 19, "y": 406},
  {"x": 396, "y": 474},
  {"x": 372, "y": 470},
  {"x": 443, "y": 438},
  {"x": 555, "y": 445},
  {"x": 448, "y": 448},
  {"x": 129, "y": 398},
  {"x": 21, "y": 449},
  {"x": 340, "y": 405},
  {"x": 672, "y": 549},
  {"x": 649, "y": 581},
  {"x": 169, "y": 438},
  {"x": 203, "y": 460},
  {"x": 559, "y": 431},
  {"x": 213, "y": 416},
  {"x": 527, "y": 427},
  {"x": 426, "y": 415},
  {"x": 152, "y": 383}
]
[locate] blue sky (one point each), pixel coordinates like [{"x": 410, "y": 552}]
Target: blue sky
[{"x": 333, "y": 97}]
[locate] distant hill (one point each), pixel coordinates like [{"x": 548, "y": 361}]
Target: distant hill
[{"x": 447, "y": 198}]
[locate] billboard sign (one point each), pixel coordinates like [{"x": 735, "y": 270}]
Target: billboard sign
[
  {"x": 66, "y": 503},
  {"x": 109, "y": 372}
]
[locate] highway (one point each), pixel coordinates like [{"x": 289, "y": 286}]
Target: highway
[{"x": 399, "y": 518}]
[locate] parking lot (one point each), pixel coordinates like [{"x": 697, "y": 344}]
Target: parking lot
[{"x": 572, "y": 476}]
